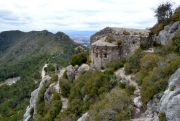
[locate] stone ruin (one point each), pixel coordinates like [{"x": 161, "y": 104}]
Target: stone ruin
[{"x": 103, "y": 51}]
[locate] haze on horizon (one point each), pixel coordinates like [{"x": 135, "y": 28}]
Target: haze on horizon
[{"x": 79, "y": 15}]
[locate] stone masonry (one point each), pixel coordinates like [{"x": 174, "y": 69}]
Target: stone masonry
[{"x": 103, "y": 52}]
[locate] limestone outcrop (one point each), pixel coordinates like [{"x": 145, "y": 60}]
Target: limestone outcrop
[
  {"x": 168, "y": 33},
  {"x": 48, "y": 95},
  {"x": 83, "y": 117},
  {"x": 137, "y": 102},
  {"x": 70, "y": 72},
  {"x": 170, "y": 101},
  {"x": 83, "y": 68},
  {"x": 33, "y": 99}
]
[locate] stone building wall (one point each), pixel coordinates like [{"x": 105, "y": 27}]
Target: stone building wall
[
  {"x": 102, "y": 55},
  {"x": 130, "y": 41}
]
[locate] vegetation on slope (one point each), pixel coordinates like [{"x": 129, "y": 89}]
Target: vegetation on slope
[
  {"x": 94, "y": 88},
  {"x": 154, "y": 70},
  {"x": 24, "y": 54},
  {"x": 165, "y": 16},
  {"x": 48, "y": 112}
]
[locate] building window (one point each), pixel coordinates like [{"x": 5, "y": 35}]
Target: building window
[
  {"x": 96, "y": 55},
  {"x": 105, "y": 55}
]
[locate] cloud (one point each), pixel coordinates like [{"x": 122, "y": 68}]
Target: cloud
[{"x": 60, "y": 15}]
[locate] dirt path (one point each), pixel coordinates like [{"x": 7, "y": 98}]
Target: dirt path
[
  {"x": 63, "y": 99},
  {"x": 120, "y": 73},
  {"x": 43, "y": 72}
]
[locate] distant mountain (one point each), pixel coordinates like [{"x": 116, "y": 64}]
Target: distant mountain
[
  {"x": 81, "y": 37},
  {"x": 17, "y": 45},
  {"x": 80, "y": 33},
  {"x": 22, "y": 55}
]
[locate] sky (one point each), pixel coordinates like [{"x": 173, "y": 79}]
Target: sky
[{"x": 80, "y": 15}]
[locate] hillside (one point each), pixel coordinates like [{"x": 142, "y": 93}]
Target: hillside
[
  {"x": 143, "y": 87},
  {"x": 22, "y": 55}
]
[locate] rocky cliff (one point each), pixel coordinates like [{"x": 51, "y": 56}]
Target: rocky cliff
[
  {"x": 169, "y": 101},
  {"x": 168, "y": 33}
]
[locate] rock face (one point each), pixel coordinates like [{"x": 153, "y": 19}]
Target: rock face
[
  {"x": 83, "y": 118},
  {"x": 168, "y": 33},
  {"x": 83, "y": 68},
  {"x": 137, "y": 101},
  {"x": 170, "y": 101},
  {"x": 48, "y": 95},
  {"x": 104, "y": 51},
  {"x": 33, "y": 100},
  {"x": 70, "y": 72}
]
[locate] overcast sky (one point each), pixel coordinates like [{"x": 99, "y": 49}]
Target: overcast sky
[{"x": 82, "y": 15}]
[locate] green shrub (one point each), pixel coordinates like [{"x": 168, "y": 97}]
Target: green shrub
[
  {"x": 65, "y": 87},
  {"x": 56, "y": 96},
  {"x": 118, "y": 42},
  {"x": 157, "y": 80},
  {"x": 115, "y": 106},
  {"x": 116, "y": 64},
  {"x": 141, "y": 34},
  {"x": 172, "y": 89},
  {"x": 176, "y": 44},
  {"x": 133, "y": 62},
  {"x": 88, "y": 61},
  {"x": 144, "y": 45},
  {"x": 109, "y": 39},
  {"x": 126, "y": 32},
  {"x": 122, "y": 85},
  {"x": 162, "y": 117},
  {"x": 87, "y": 90},
  {"x": 130, "y": 89},
  {"x": 50, "y": 68},
  {"x": 78, "y": 59},
  {"x": 65, "y": 74},
  {"x": 148, "y": 62}
]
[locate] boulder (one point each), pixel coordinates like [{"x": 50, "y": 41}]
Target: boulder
[
  {"x": 83, "y": 118},
  {"x": 83, "y": 68},
  {"x": 170, "y": 101},
  {"x": 174, "y": 27},
  {"x": 48, "y": 95},
  {"x": 137, "y": 102},
  {"x": 70, "y": 72},
  {"x": 168, "y": 33}
]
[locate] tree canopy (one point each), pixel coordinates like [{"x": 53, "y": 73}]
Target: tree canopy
[{"x": 163, "y": 11}]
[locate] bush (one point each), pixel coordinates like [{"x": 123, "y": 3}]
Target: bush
[
  {"x": 126, "y": 33},
  {"x": 56, "y": 96},
  {"x": 122, "y": 85},
  {"x": 133, "y": 62},
  {"x": 162, "y": 117},
  {"x": 109, "y": 39},
  {"x": 88, "y": 61},
  {"x": 118, "y": 42},
  {"x": 144, "y": 45},
  {"x": 116, "y": 64},
  {"x": 130, "y": 89},
  {"x": 115, "y": 106},
  {"x": 78, "y": 59},
  {"x": 176, "y": 44},
  {"x": 50, "y": 68},
  {"x": 157, "y": 80},
  {"x": 65, "y": 87},
  {"x": 87, "y": 90}
]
